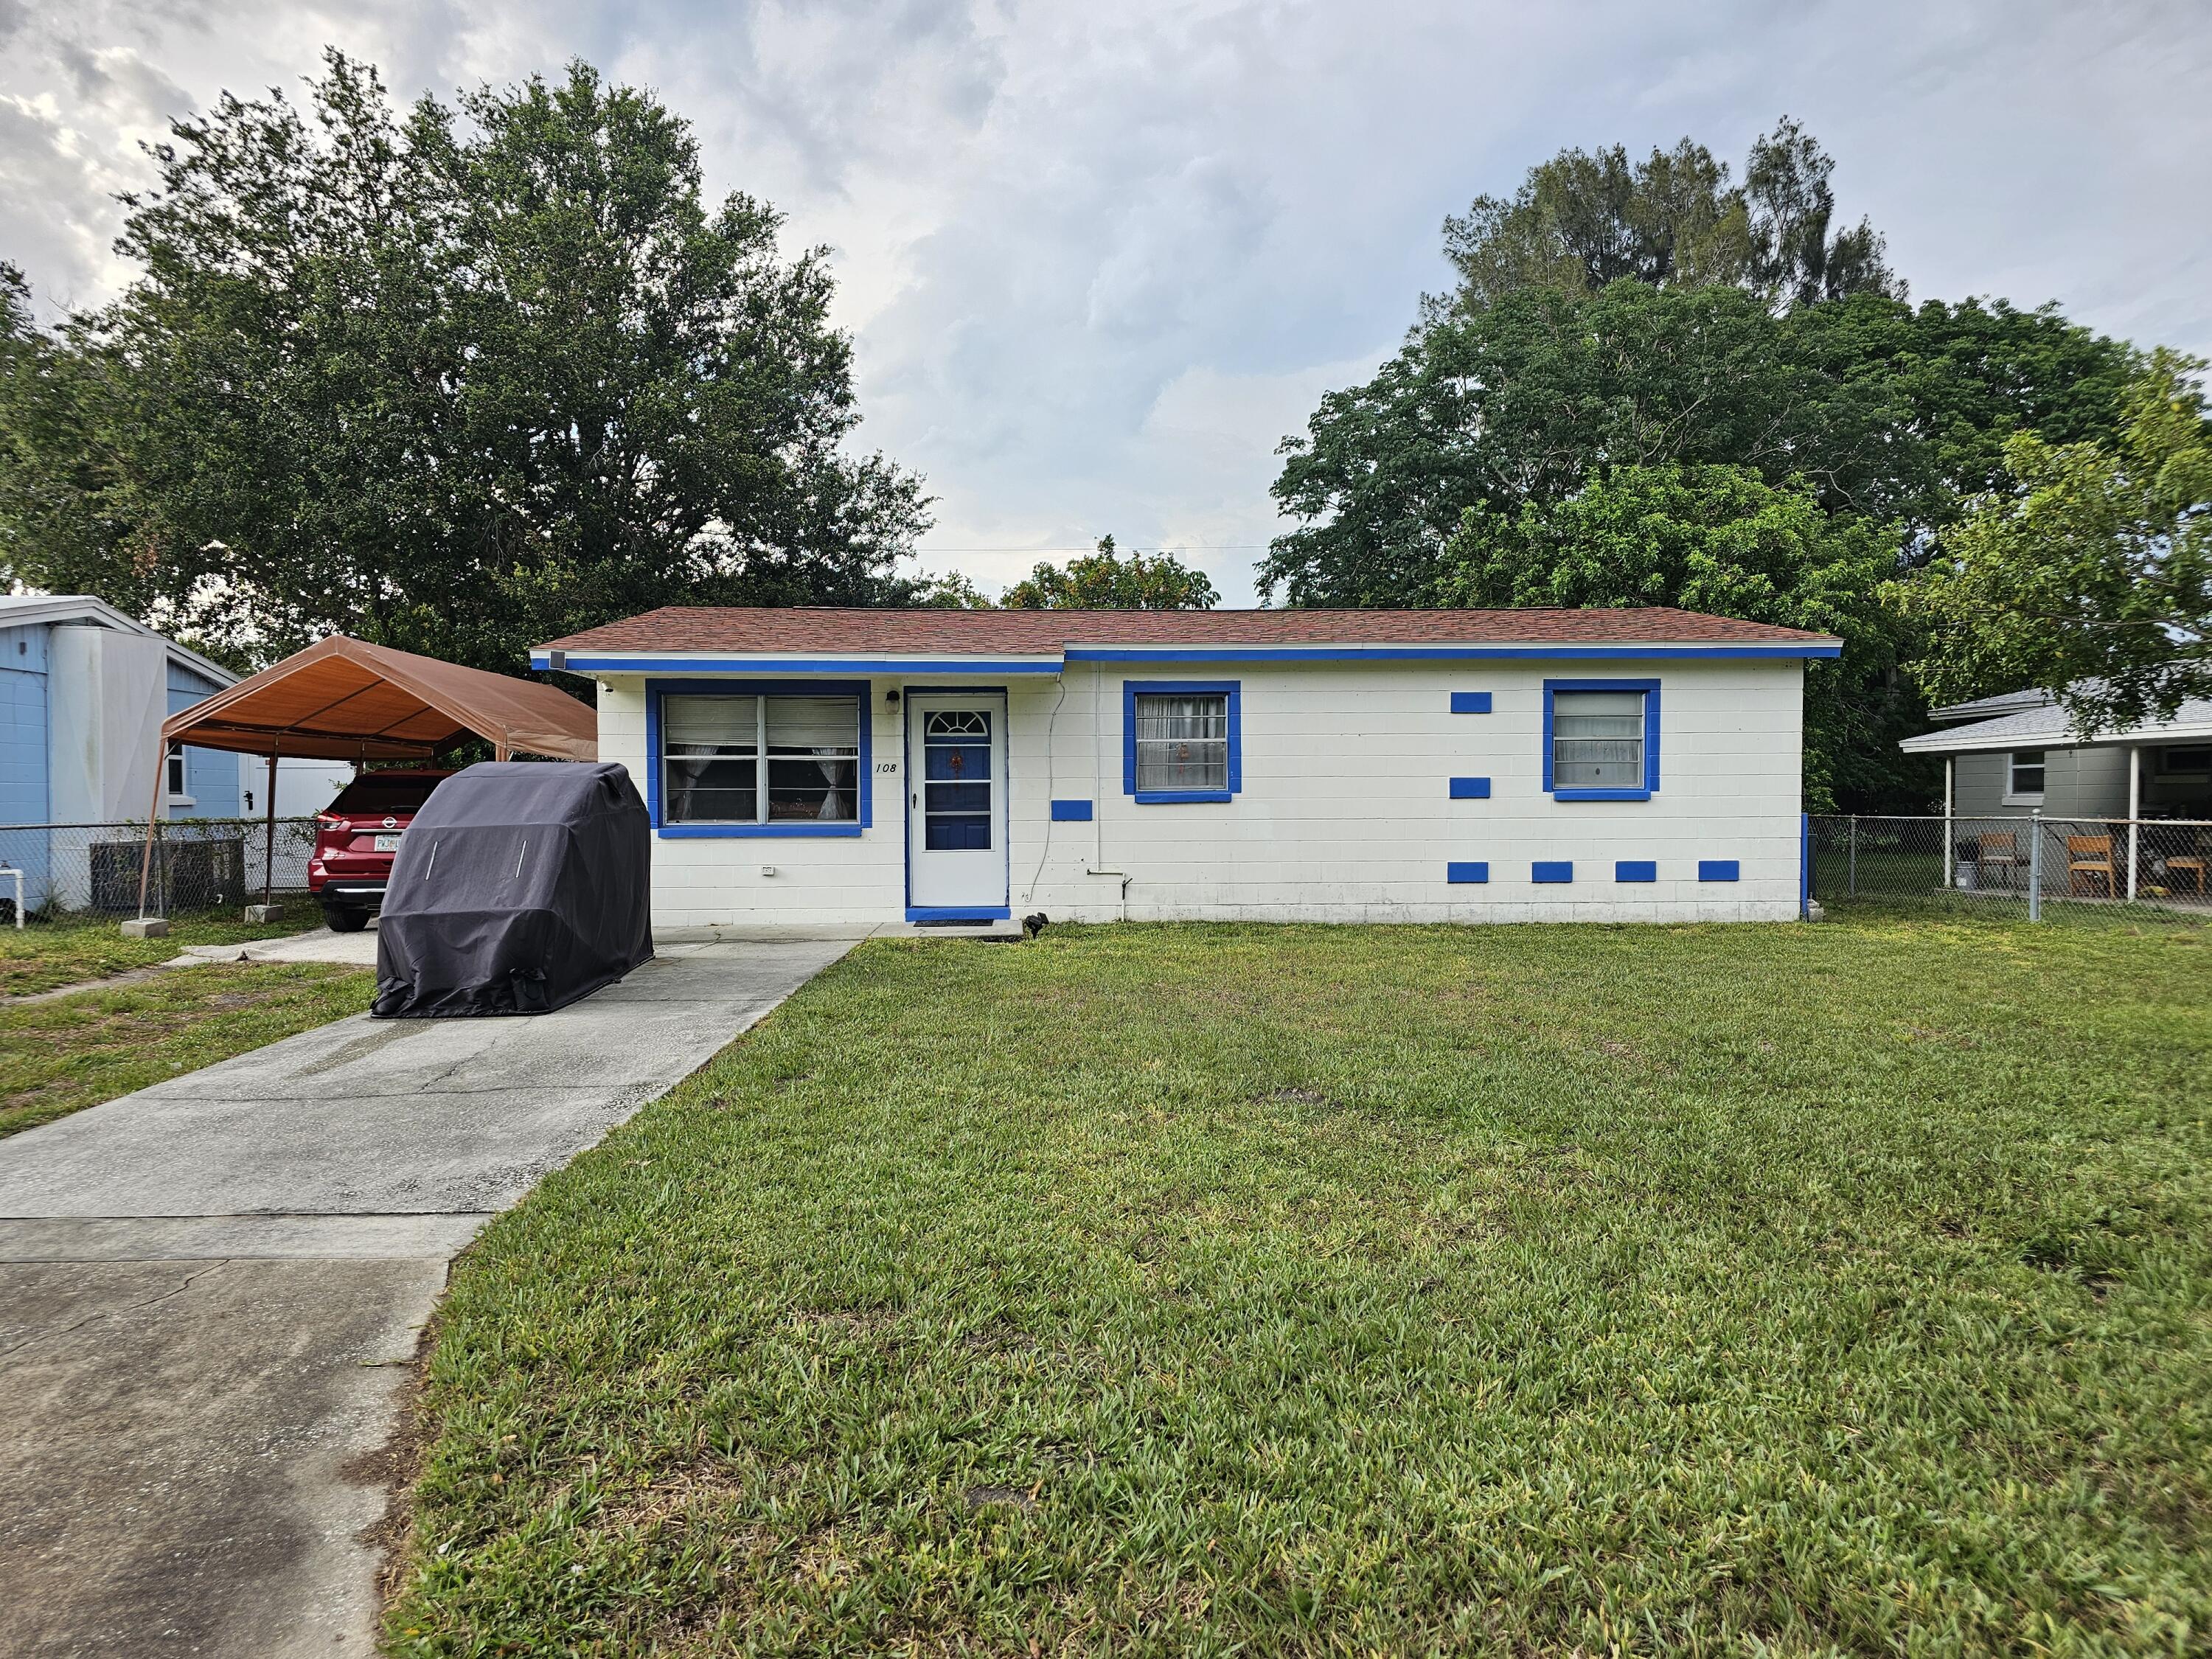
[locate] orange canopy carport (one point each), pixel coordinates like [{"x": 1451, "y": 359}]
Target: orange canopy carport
[{"x": 345, "y": 699}]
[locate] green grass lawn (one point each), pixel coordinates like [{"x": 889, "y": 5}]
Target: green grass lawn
[
  {"x": 44, "y": 955},
  {"x": 1844, "y": 1288},
  {"x": 57, "y": 1057}
]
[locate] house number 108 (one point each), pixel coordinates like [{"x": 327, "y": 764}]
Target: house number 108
[{"x": 886, "y": 766}]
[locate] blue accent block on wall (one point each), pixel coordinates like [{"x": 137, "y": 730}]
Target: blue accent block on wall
[
  {"x": 1470, "y": 703},
  {"x": 1470, "y": 874},
  {"x": 1551, "y": 875},
  {"x": 1719, "y": 870},
  {"x": 1636, "y": 870},
  {"x": 1070, "y": 812},
  {"x": 1470, "y": 788}
]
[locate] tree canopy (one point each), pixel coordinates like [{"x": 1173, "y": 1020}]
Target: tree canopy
[
  {"x": 1104, "y": 581},
  {"x": 1718, "y": 539},
  {"x": 452, "y": 380},
  {"x": 1580, "y": 222},
  {"x": 2088, "y": 571}
]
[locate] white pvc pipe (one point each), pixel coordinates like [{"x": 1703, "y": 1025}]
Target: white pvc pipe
[
  {"x": 6, "y": 870},
  {"x": 2135, "y": 813}
]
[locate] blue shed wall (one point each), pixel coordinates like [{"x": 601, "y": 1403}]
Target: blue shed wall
[{"x": 210, "y": 775}]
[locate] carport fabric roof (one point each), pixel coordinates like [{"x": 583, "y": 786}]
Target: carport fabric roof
[{"x": 344, "y": 699}]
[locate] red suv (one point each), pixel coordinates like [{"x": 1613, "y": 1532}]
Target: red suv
[{"x": 355, "y": 836}]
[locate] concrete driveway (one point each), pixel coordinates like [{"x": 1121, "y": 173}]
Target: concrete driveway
[{"x": 210, "y": 1292}]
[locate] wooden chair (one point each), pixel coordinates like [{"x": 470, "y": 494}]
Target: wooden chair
[
  {"x": 1999, "y": 852},
  {"x": 2088, "y": 856},
  {"x": 2192, "y": 862}
]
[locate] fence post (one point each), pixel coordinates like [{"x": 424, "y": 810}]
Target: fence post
[
  {"x": 1853, "y": 835},
  {"x": 2035, "y": 865}
]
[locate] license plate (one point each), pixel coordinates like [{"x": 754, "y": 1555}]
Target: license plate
[{"x": 389, "y": 843}]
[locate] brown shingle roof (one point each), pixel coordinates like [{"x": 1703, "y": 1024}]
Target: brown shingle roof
[{"x": 1041, "y": 633}]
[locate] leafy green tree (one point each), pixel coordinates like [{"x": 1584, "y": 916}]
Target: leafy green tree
[
  {"x": 1580, "y": 222},
  {"x": 462, "y": 382},
  {"x": 949, "y": 592},
  {"x": 2090, "y": 574},
  {"x": 1718, "y": 539},
  {"x": 1105, "y": 581}
]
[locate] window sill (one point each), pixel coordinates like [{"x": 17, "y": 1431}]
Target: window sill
[
  {"x": 744, "y": 831},
  {"x": 176, "y": 801},
  {"x": 2021, "y": 800},
  {"x": 1601, "y": 794},
  {"x": 1181, "y": 797}
]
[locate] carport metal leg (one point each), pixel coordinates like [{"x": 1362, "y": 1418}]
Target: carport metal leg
[
  {"x": 269, "y": 847},
  {"x": 153, "y": 806}
]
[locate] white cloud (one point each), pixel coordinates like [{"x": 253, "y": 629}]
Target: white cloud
[{"x": 1099, "y": 259}]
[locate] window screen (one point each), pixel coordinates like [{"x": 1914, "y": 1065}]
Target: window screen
[
  {"x": 1597, "y": 739},
  {"x": 2028, "y": 771},
  {"x": 713, "y": 750},
  {"x": 1183, "y": 742}
]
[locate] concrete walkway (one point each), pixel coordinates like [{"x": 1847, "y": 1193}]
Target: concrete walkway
[{"x": 210, "y": 1292}]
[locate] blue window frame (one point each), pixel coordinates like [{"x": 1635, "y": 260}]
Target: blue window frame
[
  {"x": 804, "y": 771},
  {"x": 1182, "y": 740},
  {"x": 1593, "y": 750}
]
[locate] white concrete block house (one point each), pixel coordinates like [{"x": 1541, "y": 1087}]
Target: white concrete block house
[{"x": 823, "y": 768}]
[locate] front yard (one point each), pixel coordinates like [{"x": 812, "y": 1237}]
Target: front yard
[{"x": 1212, "y": 1290}]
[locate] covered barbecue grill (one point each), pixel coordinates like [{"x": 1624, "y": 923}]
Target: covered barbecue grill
[{"x": 521, "y": 886}]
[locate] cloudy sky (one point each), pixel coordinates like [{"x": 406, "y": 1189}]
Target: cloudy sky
[{"x": 1097, "y": 259}]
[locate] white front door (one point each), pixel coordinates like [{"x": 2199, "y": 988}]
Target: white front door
[{"x": 956, "y": 773}]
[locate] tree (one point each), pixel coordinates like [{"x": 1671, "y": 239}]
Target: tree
[
  {"x": 462, "y": 382},
  {"x": 1722, "y": 540},
  {"x": 1580, "y": 222},
  {"x": 1105, "y": 581},
  {"x": 2090, "y": 575}
]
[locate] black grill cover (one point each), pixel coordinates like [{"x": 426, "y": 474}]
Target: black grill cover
[{"x": 521, "y": 886}]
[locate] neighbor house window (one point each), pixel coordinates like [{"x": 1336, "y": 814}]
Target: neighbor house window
[
  {"x": 765, "y": 759},
  {"x": 1602, "y": 739},
  {"x": 177, "y": 791},
  {"x": 2026, "y": 776},
  {"x": 2184, "y": 763},
  {"x": 1182, "y": 741}
]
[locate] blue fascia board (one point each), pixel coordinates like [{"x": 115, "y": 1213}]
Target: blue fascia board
[
  {"x": 1474, "y": 874},
  {"x": 1442, "y": 653},
  {"x": 847, "y": 665},
  {"x": 958, "y": 912},
  {"x": 1548, "y": 873},
  {"x": 1070, "y": 812},
  {"x": 1470, "y": 788}
]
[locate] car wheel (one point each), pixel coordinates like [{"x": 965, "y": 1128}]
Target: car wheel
[{"x": 347, "y": 921}]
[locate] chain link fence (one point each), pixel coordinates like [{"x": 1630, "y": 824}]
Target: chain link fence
[
  {"x": 198, "y": 864},
  {"x": 2033, "y": 868}
]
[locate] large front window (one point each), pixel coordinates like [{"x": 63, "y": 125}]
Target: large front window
[{"x": 765, "y": 759}]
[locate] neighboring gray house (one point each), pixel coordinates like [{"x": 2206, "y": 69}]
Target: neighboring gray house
[{"x": 2017, "y": 755}]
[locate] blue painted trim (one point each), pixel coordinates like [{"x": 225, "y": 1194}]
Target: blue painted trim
[
  {"x": 848, "y": 666},
  {"x": 1651, "y": 690},
  {"x": 1550, "y": 874},
  {"x": 1470, "y": 788},
  {"x": 1070, "y": 812},
  {"x": 1467, "y": 874},
  {"x": 1719, "y": 870},
  {"x": 1470, "y": 703},
  {"x": 1437, "y": 652},
  {"x": 865, "y": 785},
  {"x": 958, "y": 912},
  {"x": 1804, "y": 867},
  {"x": 1636, "y": 870},
  {"x": 1130, "y": 691}
]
